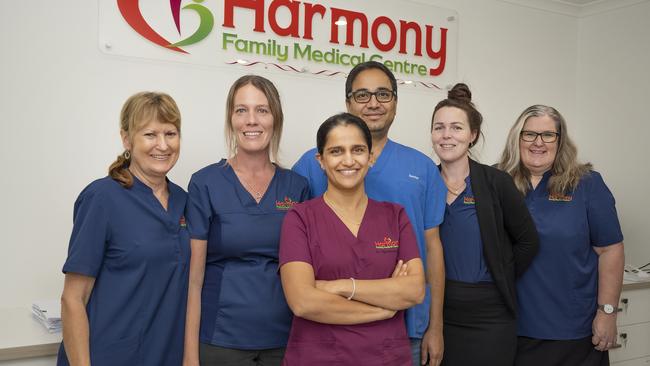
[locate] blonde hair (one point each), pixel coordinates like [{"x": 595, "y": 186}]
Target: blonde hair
[
  {"x": 273, "y": 97},
  {"x": 566, "y": 170},
  {"x": 138, "y": 110}
]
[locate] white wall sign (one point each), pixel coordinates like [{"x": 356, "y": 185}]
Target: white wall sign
[{"x": 417, "y": 41}]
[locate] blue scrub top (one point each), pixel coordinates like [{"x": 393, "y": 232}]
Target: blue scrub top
[
  {"x": 138, "y": 253},
  {"x": 242, "y": 303},
  {"x": 557, "y": 295},
  {"x": 461, "y": 240},
  {"x": 404, "y": 176}
]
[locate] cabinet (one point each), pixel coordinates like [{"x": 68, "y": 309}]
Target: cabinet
[{"x": 633, "y": 327}]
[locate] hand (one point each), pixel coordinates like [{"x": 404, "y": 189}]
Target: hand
[
  {"x": 604, "y": 331},
  {"x": 400, "y": 269},
  {"x": 433, "y": 347}
]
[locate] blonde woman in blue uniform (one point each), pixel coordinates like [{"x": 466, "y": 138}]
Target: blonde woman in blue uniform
[{"x": 126, "y": 274}]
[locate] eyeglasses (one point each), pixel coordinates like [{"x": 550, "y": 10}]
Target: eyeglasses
[
  {"x": 547, "y": 136},
  {"x": 363, "y": 95}
]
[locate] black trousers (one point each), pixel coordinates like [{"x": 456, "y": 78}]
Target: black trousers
[
  {"x": 478, "y": 327},
  {"x": 210, "y": 355},
  {"x": 578, "y": 352}
]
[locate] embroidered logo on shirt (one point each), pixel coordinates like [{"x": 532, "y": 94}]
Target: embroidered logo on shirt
[
  {"x": 559, "y": 197},
  {"x": 414, "y": 177},
  {"x": 388, "y": 243},
  {"x": 182, "y": 222},
  {"x": 286, "y": 204},
  {"x": 469, "y": 200}
]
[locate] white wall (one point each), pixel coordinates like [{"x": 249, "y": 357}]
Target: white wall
[
  {"x": 60, "y": 98},
  {"x": 613, "y": 125}
]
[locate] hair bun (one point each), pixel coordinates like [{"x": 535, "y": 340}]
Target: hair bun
[{"x": 461, "y": 93}]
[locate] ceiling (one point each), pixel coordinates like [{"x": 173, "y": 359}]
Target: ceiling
[{"x": 576, "y": 8}]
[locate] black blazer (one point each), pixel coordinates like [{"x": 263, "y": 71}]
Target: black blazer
[{"x": 510, "y": 240}]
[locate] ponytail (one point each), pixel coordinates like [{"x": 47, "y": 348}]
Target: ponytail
[{"x": 119, "y": 170}]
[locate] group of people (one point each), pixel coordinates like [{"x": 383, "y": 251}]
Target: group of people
[{"x": 364, "y": 253}]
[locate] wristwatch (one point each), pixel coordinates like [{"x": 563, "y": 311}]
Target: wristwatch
[{"x": 608, "y": 308}]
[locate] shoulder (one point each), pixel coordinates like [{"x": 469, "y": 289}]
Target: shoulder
[
  {"x": 209, "y": 172},
  {"x": 101, "y": 188},
  {"x": 417, "y": 156},
  {"x": 592, "y": 181},
  {"x": 308, "y": 158},
  {"x": 175, "y": 189},
  {"x": 385, "y": 207},
  {"x": 491, "y": 173},
  {"x": 292, "y": 178}
]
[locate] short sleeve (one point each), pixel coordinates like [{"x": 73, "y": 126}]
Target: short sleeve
[
  {"x": 308, "y": 167},
  {"x": 294, "y": 242},
  {"x": 90, "y": 233},
  {"x": 436, "y": 196},
  {"x": 198, "y": 211},
  {"x": 408, "y": 247},
  {"x": 604, "y": 227}
]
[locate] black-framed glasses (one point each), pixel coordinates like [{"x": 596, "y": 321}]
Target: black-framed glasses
[
  {"x": 547, "y": 136},
  {"x": 363, "y": 95}
]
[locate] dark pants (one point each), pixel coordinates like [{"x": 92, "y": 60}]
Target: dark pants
[
  {"x": 210, "y": 355},
  {"x": 578, "y": 352},
  {"x": 478, "y": 327}
]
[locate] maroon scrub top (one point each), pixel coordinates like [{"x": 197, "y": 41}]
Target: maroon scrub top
[{"x": 312, "y": 233}]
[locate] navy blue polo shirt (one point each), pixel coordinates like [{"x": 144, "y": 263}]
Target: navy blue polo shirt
[
  {"x": 138, "y": 253},
  {"x": 557, "y": 295},
  {"x": 409, "y": 178},
  {"x": 461, "y": 240},
  {"x": 242, "y": 303}
]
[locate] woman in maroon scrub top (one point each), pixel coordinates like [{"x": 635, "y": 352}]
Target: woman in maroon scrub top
[{"x": 349, "y": 264}]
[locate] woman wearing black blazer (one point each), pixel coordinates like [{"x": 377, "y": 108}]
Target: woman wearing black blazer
[{"x": 488, "y": 237}]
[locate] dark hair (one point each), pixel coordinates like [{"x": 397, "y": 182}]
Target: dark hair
[
  {"x": 461, "y": 97},
  {"x": 341, "y": 119},
  {"x": 356, "y": 70},
  {"x": 137, "y": 111}
]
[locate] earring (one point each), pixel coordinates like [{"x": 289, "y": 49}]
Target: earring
[{"x": 126, "y": 154}]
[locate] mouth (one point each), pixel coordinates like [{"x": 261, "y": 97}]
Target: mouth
[
  {"x": 447, "y": 146},
  {"x": 537, "y": 152},
  {"x": 160, "y": 157},
  {"x": 347, "y": 172},
  {"x": 373, "y": 116},
  {"x": 252, "y": 133}
]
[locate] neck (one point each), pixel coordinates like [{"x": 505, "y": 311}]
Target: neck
[
  {"x": 378, "y": 143},
  {"x": 457, "y": 170},
  {"x": 257, "y": 162},
  {"x": 351, "y": 199},
  {"x": 157, "y": 184}
]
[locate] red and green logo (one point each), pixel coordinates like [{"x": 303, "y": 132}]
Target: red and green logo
[
  {"x": 388, "y": 243},
  {"x": 286, "y": 204},
  {"x": 182, "y": 222},
  {"x": 130, "y": 10}
]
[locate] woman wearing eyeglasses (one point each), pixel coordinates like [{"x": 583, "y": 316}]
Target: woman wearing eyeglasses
[{"x": 568, "y": 297}]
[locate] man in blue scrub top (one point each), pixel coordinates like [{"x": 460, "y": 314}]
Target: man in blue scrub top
[{"x": 400, "y": 175}]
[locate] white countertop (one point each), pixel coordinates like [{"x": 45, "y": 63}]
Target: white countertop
[{"x": 22, "y": 336}]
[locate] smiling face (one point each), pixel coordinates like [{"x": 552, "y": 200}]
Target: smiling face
[
  {"x": 345, "y": 157},
  {"x": 252, "y": 121},
  {"x": 154, "y": 149},
  {"x": 538, "y": 156},
  {"x": 451, "y": 135},
  {"x": 378, "y": 116}
]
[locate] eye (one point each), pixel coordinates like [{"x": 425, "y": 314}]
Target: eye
[
  {"x": 359, "y": 149},
  {"x": 362, "y": 94},
  {"x": 240, "y": 110},
  {"x": 263, "y": 110},
  {"x": 548, "y": 135},
  {"x": 530, "y": 135},
  {"x": 437, "y": 127},
  {"x": 171, "y": 133},
  {"x": 149, "y": 134},
  {"x": 383, "y": 93},
  {"x": 457, "y": 127},
  {"x": 335, "y": 150}
]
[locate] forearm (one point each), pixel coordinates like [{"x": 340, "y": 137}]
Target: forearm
[
  {"x": 390, "y": 293},
  {"x": 436, "y": 281},
  {"x": 611, "y": 263},
  {"x": 75, "y": 331},
  {"x": 193, "y": 316},
  {"x": 323, "y": 307}
]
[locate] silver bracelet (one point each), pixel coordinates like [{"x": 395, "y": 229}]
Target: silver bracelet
[{"x": 354, "y": 289}]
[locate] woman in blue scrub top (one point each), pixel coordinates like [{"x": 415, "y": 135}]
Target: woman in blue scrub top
[
  {"x": 236, "y": 313},
  {"x": 569, "y": 296},
  {"x": 488, "y": 239},
  {"x": 126, "y": 274}
]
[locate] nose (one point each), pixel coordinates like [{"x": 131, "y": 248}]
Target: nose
[
  {"x": 538, "y": 141},
  {"x": 162, "y": 142},
  {"x": 373, "y": 102},
  {"x": 347, "y": 159},
  {"x": 252, "y": 118}
]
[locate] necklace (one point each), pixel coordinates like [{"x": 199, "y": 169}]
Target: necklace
[
  {"x": 454, "y": 190},
  {"x": 257, "y": 193},
  {"x": 332, "y": 205}
]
